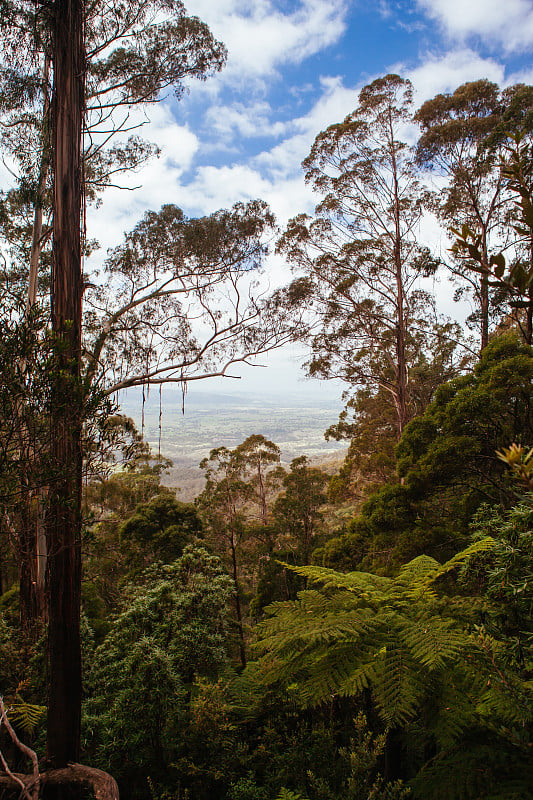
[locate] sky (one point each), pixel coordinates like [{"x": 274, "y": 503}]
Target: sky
[{"x": 294, "y": 67}]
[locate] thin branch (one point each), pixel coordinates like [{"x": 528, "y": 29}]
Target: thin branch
[{"x": 31, "y": 754}]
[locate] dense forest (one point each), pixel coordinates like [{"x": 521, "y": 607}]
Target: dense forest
[{"x": 290, "y": 634}]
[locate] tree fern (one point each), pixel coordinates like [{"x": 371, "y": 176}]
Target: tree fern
[{"x": 391, "y": 635}]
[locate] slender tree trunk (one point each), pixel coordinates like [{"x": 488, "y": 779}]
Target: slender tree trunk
[
  {"x": 64, "y": 508},
  {"x": 28, "y": 600},
  {"x": 484, "y": 298},
  {"x": 238, "y": 609},
  {"x": 32, "y": 549},
  {"x": 484, "y": 295},
  {"x": 529, "y": 309},
  {"x": 37, "y": 233},
  {"x": 262, "y": 493},
  {"x": 401, "y": 360}
]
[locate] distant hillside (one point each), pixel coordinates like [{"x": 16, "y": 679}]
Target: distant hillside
[{"x": 216, "y": 420}]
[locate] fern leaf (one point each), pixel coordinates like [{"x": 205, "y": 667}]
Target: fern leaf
[
  {"x": 25, "y": 716},
  {"x": 480, "y": 546},
  {"x": 398, "y": 690},
  {"x": 359, "y": 582},
  {"x": 433, "y": 641}
]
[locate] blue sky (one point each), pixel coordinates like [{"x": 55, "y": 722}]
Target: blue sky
[{"x": 295, "y": 67}]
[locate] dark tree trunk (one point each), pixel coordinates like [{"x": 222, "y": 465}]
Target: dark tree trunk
[
  {"x": 29, "y": 600},
  {"x": 32, "y": 601},
  {"x": 63, "y": 524}
]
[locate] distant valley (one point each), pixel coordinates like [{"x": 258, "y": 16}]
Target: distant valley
[{"x": 194, "y": 425}]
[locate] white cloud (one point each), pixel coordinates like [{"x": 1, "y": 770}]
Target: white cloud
[
  {"x": 332, "y": 106},
  {"x": 507, "y": 22},
  {"x": 251, "y": 120},
  {"x": 159, "y": 181},
  {"x": 260, "y": 37},
  {"x": 445, "y": 73}
]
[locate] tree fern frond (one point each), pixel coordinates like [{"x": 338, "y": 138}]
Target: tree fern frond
[
  {"x": 415, "y": 579},
  {"x": 505, "y": 704},
  {"x": 479, "y": 546},
  {"x": 398, "y": 690},
  {"x": 359, "y": 678},
  {"x": 453, "y": 697},
  {"x": 360, "y": 582},
  {"x": 433, "y": 641},
  {"x": 311, "y": 619},
  {"x": 286, "y": 794},
  {"x": 420, "y": 567}
]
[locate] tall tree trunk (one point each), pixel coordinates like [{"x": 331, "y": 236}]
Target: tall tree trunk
[
  {"x": 401, "y": 359},
  {"x": 64, "y": 508},
  {"x": 484, "y": 292},
  {"x": 529, "y": 309},
  {"x": 262, "y": 492},
  {"x": 28, "y": 601},
  {"x": 484, "y": 298}
]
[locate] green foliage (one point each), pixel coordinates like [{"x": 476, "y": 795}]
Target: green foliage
[
  {"x": 297, "y": 509},
  {"x": 23, "y": 715},
  {"x": 359, "y": 766},
  {"x": 159, "y": 528},
  {"x": 479, "y": 767},
  {"x": 505, "y": 575},
  {"x": 11, "y": 658},
  {"x": 448, "y": 463},
  {"x": 390, "y": 635},
  {"x": 171, "y": 630},
  {"x": 455, "y": 440},
  {"x": 247, "y": 789},
  {"x": 452, "y": 672}
]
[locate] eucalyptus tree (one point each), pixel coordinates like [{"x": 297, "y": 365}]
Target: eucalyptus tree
[
  {"x": 509, "y": 270},
  {"x": 297, "y": 508},
  {"x": 238, "y": 484},
  {"x": 463, "y": 140},
  {"x": 176, "y": 301},
  {"x": 102, "y": 58},
  {"x": 369, "y": 422},
  {"x": 223, "y": 503},
  {"x": 358, "y": 255},
  {"x": 134, "y": 51},
  {"x": 256, "y": 454}
]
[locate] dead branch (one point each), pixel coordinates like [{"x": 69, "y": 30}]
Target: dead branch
[{"x": 30, "y": 791}]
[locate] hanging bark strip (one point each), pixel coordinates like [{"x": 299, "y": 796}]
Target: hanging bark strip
[{"x": 64, "y": 512}]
